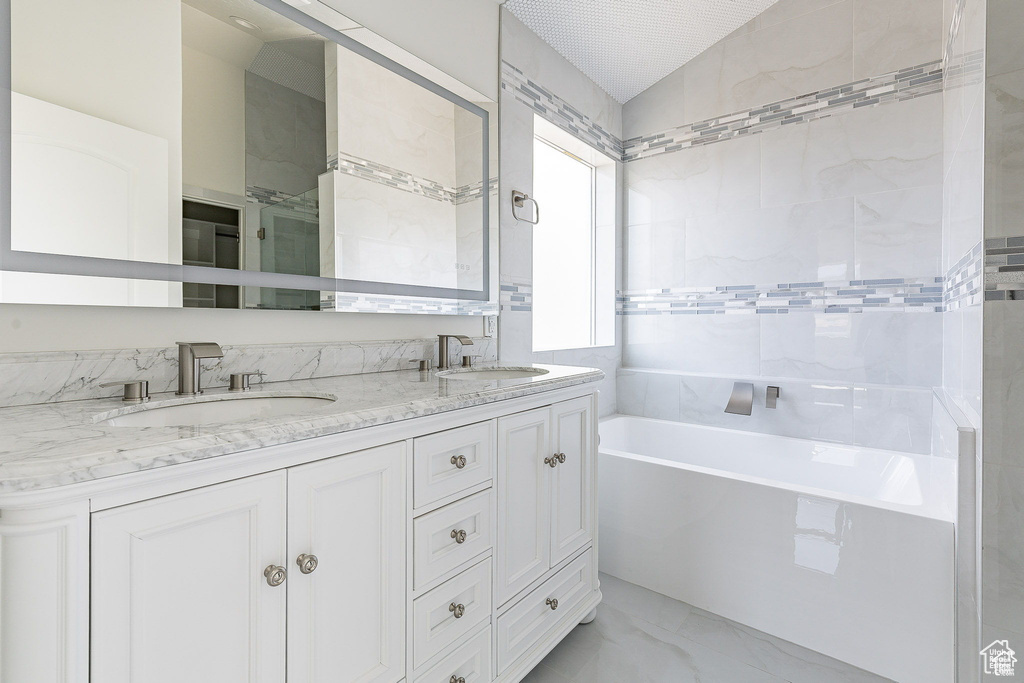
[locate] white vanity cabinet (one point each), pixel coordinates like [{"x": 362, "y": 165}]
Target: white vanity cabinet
[
  {"x": 204, "y": 585},
  {"x": 449, "y": 546},
  {"x": 545, "y": 491}
]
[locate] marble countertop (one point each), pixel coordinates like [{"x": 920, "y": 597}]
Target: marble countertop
[{"x": 55, "y": 444}]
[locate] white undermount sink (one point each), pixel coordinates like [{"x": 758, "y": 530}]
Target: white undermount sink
[
  {"x": 219, "y": 410},
  {"x": 489, "y": 374}
]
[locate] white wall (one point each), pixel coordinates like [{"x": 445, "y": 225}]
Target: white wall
[
  {"x": 92, "y": 58},
  {"x": 214, "y": 59},
  {"x": 460, "y": 37}
]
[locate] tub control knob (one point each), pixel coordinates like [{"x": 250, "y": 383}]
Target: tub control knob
[{"x": 552, "y": 603}]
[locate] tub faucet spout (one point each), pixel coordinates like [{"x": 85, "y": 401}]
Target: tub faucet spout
[{"x": 741, "y": 402}]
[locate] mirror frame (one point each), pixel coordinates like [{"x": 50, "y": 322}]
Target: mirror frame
[{"x": 91, "y": 266}]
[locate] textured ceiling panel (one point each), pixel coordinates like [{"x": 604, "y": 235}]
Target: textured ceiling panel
[{"x": 625, "y": 46}]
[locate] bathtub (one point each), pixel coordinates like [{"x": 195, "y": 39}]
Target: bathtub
[{"x": 845, "y": 550}]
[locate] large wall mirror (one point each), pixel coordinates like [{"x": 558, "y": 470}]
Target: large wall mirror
[{"x": 238, "y": 154}]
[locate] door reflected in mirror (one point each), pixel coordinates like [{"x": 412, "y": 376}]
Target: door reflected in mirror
[{"x": 223, "y": 134}]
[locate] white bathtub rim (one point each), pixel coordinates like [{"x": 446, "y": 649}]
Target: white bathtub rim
[{"x": 930, "y": 510}]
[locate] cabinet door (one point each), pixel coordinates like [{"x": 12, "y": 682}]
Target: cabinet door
[
  {"x": 346, "y": 619},
  {"x": 572, "y": 518},
  {"x": 524, "y": 509},
  {"x": 178, "y": 586}
]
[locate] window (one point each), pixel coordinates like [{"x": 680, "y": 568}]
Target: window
[{"x": 573, "y": 244}]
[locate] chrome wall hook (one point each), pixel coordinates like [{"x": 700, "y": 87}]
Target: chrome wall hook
[{"x": 519, "y": 200}]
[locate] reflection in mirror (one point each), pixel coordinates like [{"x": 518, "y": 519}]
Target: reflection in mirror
[{"x": 221, "y": 134}]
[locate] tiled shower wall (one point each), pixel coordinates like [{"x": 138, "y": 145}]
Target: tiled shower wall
[
  {"x": 997, "y": 29},
  {"x": 784, "y": 226},
  {"x": 536, "y": 80}
]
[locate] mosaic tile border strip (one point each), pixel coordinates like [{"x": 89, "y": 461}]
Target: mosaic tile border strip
[
  {"x": 407, "y": 182},
  {"x": 964, "y": 281},
  {"x": 515, "y": 296},
  {"x": 392, "y": 177},
  {"x": 905, "y": 84},
  {"x": 1004, "y": 269},
  {"x": 268, "y": 197},
  {"x": 372, "y": 303},
  {"x": 559, "y": 112},
  {"x": 902, "y": 294}
]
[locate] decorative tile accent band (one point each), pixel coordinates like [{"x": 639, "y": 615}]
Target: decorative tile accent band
[
  {"x": 407, "y": 182},
  {"x": 905, "y": 84},
  {"x": 856, "y": 296},
  {"x": 268, "y": 197},
  {"x": 1004, "y": 269},
  {"x": 964, "y": 281},
  {"x": 394, "y": 177},
  {"x": 516, "y": 296},
  {"x": 30, "y": 378},
  {"x": 380, "y": 303},
  {"x": 559, "y": 112}
]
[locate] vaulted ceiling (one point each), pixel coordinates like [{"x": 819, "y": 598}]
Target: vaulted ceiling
[{"x": 625, "y": 46}]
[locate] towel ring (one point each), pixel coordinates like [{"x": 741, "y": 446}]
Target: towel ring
[{"x": 519, "y": 200}]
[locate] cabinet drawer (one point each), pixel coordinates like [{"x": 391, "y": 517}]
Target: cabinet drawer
[
  {"x": 527, "y": 622},
  {"x": 471, "y": 661},
  {"x": 436, "y": 471},
  {"x": 435, "y": 625},
  {"x": 436, "y": 537}
]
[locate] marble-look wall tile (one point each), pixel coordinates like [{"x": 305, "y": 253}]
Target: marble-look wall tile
[
  {"x": 837, "y": 412},
  {"x": 893, "y": 418},
  {"x": 541, "y": 63},
  {"x": 809, "y": 52},
  {"x": 1003, "y": 382},
  {"x": 876, "y": 347},
  {"x": 717, "y": 344},
  {"x": 892, "y": 34},
  {"x": 30, "y": 378},
  {"x": 863, "y": 151},
  {"x": 656, "y": 255},
  {"x": 1003, "y": 545},
  {"x": 1004, "y": 154},
  {"x": 694, "y": 182},
  {"x": 1002, "y": 32},
  {"x": 796, "y": 243},
  {"x": 899, "y": 233}
]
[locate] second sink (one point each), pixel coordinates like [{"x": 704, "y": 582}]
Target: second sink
[{"x": 488, "y": 374}]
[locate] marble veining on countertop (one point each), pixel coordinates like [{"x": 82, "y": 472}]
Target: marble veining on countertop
[{"x": 56, "y": 444}]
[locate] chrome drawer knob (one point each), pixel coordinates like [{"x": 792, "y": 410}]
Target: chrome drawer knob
[
  {"x": 552, "y": 603},
  {"x": 459, "y": 535},
  {"x": 307, "y": 563},
  {"x": 457, "y": 610},
  {"x": 459, "y": 461},
  {"x": 457, "y": 679},
  {"x": 560, "y": 456},
  {"x": 552, "y": 461},
  {"x": 275, "y": 575}
]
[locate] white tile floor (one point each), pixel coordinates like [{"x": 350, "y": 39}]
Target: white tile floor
[{"x": 642, "y": 636}]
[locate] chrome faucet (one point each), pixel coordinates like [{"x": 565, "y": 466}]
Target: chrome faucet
[
  {"x": 442, "y": 348},
  {"x": 190, "y": 357}
]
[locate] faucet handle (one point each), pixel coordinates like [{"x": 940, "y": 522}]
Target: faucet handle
[
  {"x": 239, "y": 381},
  {"x": 424, "y": 363},
  {"x": 135, "y": 390}
]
